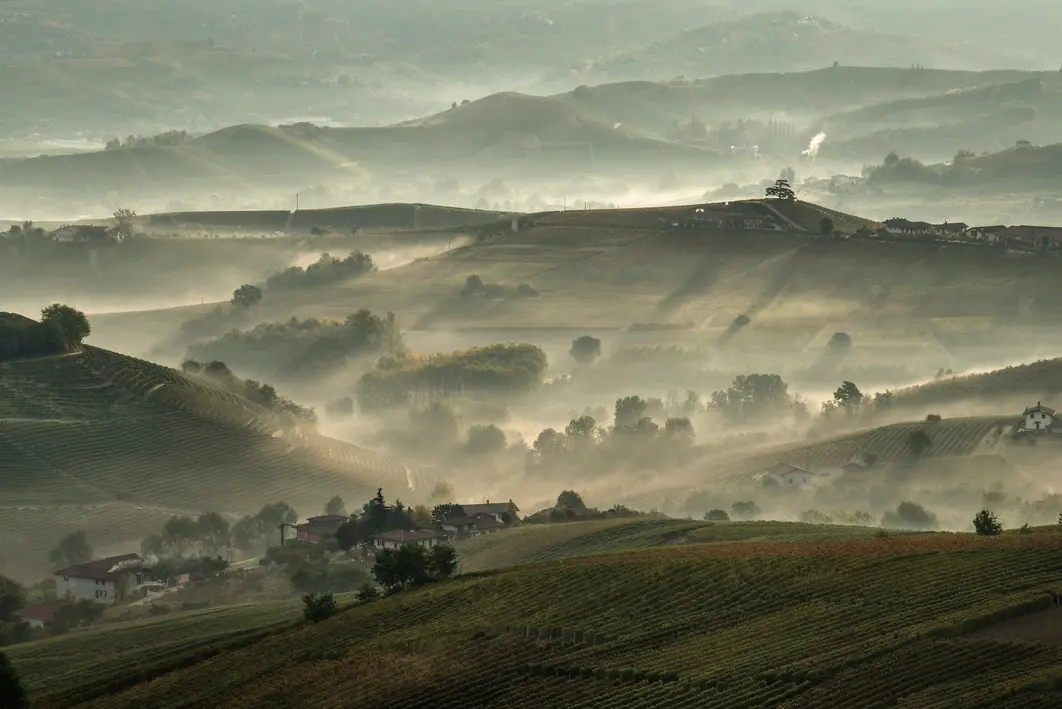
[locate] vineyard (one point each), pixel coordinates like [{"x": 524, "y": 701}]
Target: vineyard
[
  {"x": 855, "y": 623},
  {"x": 1026, "y": 383},
  {"x": 118, "y": 435},
  {"x": 950, "y": 438},
  {"x": 536, "y": 543}
]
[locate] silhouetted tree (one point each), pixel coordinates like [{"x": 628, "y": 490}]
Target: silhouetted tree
[
  {"x": 848, "y": 397},
  {"x": 348, "y": 535},
  {"x": 717, "y": 516},
  {"x": 442, "y": 562},
  {"x": 318, "y": 606},
  {"x": 12, "y": 693},
  {"x": 483, "y": 439},
  {"x": 745, "y": 510},
  {"x": 986, "y": 524},
  {"x": 680, "y": 431},
  {"x": 570, "y": 499},
  {"x": 12, "y": 597},
  {"x": 909, "y": 515},
  {"x": 123, "y": 222},
  {"x": 71, "y": 322},
  {"x": 919, "y": 442},
  {"x": 585, "y": 349},
  {"x": 782, "y": 190},
  {"x": 246, "y": 296},
  {"x": 445, "y": 511}
]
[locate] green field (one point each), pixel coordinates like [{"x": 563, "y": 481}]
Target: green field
[
  {"x": 113, "y": 443},
  {"x": 926, "y": 621}
]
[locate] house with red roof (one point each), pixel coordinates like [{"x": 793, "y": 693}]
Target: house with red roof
[{"x": 41, "y": 614}]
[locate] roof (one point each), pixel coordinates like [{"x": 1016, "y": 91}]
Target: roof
[
  {"x": 341, "y": 519},
  {"x": 1039, "y": 408},
  {"x": 854, "y": 464},
  {"x": 44, "y": 612},
  {"x": 404, "y": 537},
  {"x": 484, "y": 522},
  {"x": 785, "y": 468},
  {"x": 101, "y": 569},
  {"x": 490, "y": 508}
]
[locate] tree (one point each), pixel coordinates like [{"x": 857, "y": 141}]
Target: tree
[
  {"x": 246, "y": 296},
  {"x": 12, "y": 693},
  {"x": 909, "y": 515},
  {"x": 71, "y": 322},
  {"x": 442, "y": 562},
  {"x": 335, "y": 506},
  {"x": 919, "y": 442},
  {"x": 72, "y": 549},
  {"x": 214, "y": 533},
  {"x": 848, "y": 397},
  {"x": 986, "y": 524},
  {"x": 571, "y": 500},
  {"x": 679, "y": 430},
  {"x": 745, "y": 510},
  {"x": 473, "y": 285},
  {"x": 441, "y": 492},
  {"x": 782, "y": 190},
  {"x": 826, "y": 226},
  {"x": 840, "y": 343},
  {"x": 318, "y": 606},
  {"x": 585, "y": 349},
  {"x": 348, "y": 535},
  {"x": 180, "y": 534},
  {"x": 12, "y": 597},
  {"x": 750, "y": 396},
  {"x": 445, "y": 511},
  {"x": 484, "y": 439},
  {"x": 717, "y": 516},
  {"x": 123, "y": 222},
  {"x": 421, "y": 516},
  {"x": 788, "y": 174},
  {"x": 629, "y": 410}
]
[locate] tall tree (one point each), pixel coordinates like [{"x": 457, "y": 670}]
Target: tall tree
[
  {"x": 12, "y": 693},
  {"x": 72, "y": 549},
  {"x": 246, "y": 296},
  {"x": 214, "y": 532},
  {"x": 12, "y": 597},
  {"x": 848, "y": 397}
]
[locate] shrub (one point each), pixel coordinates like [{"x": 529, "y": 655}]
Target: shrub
[
  {"x": 367, "y": 592},
  {"x": 717, "y": 516},
  {"x": 318, "y": 606},
  {"x": 986, "y": 524},
  {"x": 909, "y": 515},
  {"x": 327, "y": 269}
]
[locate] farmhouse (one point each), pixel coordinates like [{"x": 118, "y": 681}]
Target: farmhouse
[
  {"x": 504, "y": 512},
  {"x": 991, "y": 234},
  {"x": 101, "y": 581},
  {"x": 420, "y": 537},
  {"x": 84, "y": 233},
  {"x": 471, "y": 526},
  {"x": 1040, "y": 418},
  {"x": 40, "y": 614},
  {"x": 906, "y": 227},
  {"x": 789, "y": 475},
  {"x": 318, "y": 529}
]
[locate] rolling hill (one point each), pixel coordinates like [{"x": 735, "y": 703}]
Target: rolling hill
[
  {"x": 113, "y": 445},
  {"x": 918, "y": 621}
]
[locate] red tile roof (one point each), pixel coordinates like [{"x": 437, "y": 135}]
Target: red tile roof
[{"x": 44, "y": 612}]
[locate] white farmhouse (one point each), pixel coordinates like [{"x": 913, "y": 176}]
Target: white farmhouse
[
  {"x": 789, "y": 475},
  {"x": 399, "y": 538},
  {"x": 1039, "y": 418},
  {"x": 101, "y": 581}
]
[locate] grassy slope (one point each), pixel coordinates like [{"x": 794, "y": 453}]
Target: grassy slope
[
  {"x": 1022, "y": 383},
  {"x": 112, "y": 444},
  {"x": 842, "y": 623}
]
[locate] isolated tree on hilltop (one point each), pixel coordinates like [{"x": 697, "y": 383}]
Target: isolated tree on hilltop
[
  {"x": 585, "y": 349},
  {"x": 123, "y": 222},
  {"x": 986, "y": 524},
  {"x": 73, "y": 549},
  {"x": 246, "y": 296},
  {"x": 848, "y": 397},
  {"x": 781, "y": 189},
  {"x": 570, "y": 499},
  {"x": 70, "y": 321}
]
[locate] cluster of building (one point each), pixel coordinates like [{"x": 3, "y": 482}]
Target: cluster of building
[
  {"x": 477, "y": 520},
  {"x": 958, "y": 231}
]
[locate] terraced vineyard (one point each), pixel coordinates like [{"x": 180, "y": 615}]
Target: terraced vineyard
[
  {"x": 845, "y": 623},
  {"x": 536, "y": 543},
  {"x": 98, "y": 428},
  {"x": 951, "y": 438}
]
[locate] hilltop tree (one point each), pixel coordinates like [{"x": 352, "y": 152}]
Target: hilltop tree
[
  {"x": 840, "y": 343},
  {"x": 123, "y": 222},
  {"x": 335, "y": 506},
  {"x": 69, "y": 321},
  {"x": 986, "y": 524},
  {"x": 781, "y": 189},
  {"x": 585, "y": 349},
  {"x": 246, "y": 296},
  {"x": 570, "y": 499},
  {"x": 72, "y": 549},
  {"x": 484, "y": 439},
  {"x": 12, "y": 692}
]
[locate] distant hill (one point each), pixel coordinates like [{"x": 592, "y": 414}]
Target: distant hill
[
  {"x": 768, "y": 41},
  {"x": 109, "y": 444}
]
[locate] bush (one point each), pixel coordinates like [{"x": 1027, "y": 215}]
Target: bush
[
  {"x": 327, "y": 269},
  {"x": 745, "y": 510},
  {"x": 987, "y": 524},
  {"x": 717, "y": 516},
  {"x": 318, "y": 606},
  {"x": 367, "y": 592},
  {"x": 909, "y": 515}
]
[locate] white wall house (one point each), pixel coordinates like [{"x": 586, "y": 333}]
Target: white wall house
[
  {"x": 105, "y": 581},
  {"x": 789, "y": 475},
  {"x": 421, "y": 537},
  {"x": 1039, "y": 418}
]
